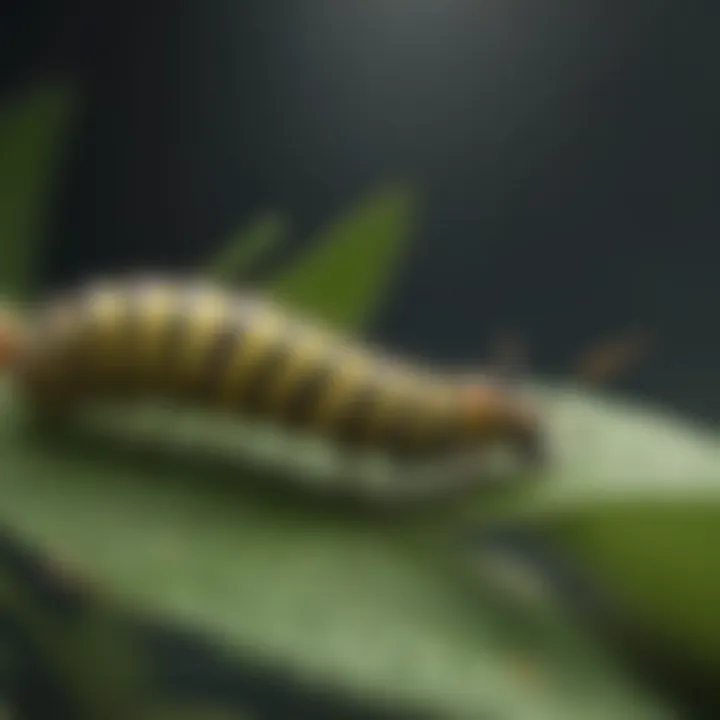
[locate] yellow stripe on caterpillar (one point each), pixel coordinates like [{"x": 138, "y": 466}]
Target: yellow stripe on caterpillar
[
  {"x": 251, "y": 348},
  {"x": 203, "y": 324},
  {"x": 159, "y": 303}
]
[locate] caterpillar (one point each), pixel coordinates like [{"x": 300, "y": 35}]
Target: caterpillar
[{"x": 236, "y": 352}]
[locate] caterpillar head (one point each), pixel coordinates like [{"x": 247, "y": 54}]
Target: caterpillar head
[{"x": 496, "y": 413}]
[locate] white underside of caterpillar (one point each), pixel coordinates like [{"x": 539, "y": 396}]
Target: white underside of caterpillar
[{"x": 300, "y": 458}]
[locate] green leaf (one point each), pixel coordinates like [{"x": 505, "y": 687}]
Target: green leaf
[
  {"x": 635, "y": 496},
  {"x": 33, "y": 132},
  {"x": 661, "y": 560},
  {"x": 335, "y": 597},
  {"x": 236, "y": 258},
  {"x": 348, "y": 268}
]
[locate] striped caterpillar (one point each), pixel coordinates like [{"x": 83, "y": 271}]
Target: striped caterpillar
[{"x": 200, "y": 345}]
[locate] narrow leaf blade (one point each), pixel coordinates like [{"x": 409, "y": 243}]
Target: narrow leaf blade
[
  {"x": 346, "y": 272},
  {"x": 33, "y": 132},
  {"x": 242, "y": 251}
]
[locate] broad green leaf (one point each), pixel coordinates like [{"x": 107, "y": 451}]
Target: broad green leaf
[
  {"x": 661, "y": 561},
  {"x": 237, "y": 256},
  {"x": 636, "y": 496},
  {"x": 338, "y": 598},
  {"x": 347, "y": 270},
  {"x": 33, "y": 133}
]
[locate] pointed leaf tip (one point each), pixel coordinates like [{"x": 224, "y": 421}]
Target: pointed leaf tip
[
  {"x": 246, "y": 247},
  {"x": 346, "y": 272}
]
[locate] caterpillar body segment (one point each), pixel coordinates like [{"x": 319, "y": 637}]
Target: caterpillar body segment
[{"x": 197, "y": 344}]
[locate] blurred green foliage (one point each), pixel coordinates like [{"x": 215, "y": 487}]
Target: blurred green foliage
[
  {"x": 247, "y": 246},
  {"x": 33, "y": 135}
]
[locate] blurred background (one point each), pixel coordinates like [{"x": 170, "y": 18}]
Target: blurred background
[{"x": 566, "y": 153}]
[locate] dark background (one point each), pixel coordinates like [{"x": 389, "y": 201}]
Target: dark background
[{"x": 567, "y": 152}]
